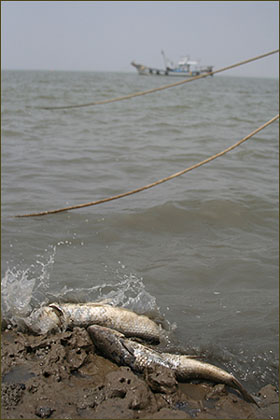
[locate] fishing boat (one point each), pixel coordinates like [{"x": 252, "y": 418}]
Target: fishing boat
[{"x": 185, "y": 67}]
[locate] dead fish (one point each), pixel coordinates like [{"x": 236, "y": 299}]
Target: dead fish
[
  {"x": 55, "y": 317},
  {"x": 137, "y": 356},
  {"x": 43, "y": 321}
]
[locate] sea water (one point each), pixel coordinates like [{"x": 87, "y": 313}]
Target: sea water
[{"x": 199, "y": 252}]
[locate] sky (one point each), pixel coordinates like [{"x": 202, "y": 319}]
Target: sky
[{"x": 108, "y": 35}]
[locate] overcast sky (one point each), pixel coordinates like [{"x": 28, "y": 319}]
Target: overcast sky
[{"x": 108, "y": 35}]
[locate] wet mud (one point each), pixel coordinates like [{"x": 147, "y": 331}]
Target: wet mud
[{"x": 62, "y": 376}]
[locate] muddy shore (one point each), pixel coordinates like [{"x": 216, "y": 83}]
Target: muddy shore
[{"x": 62, "y": 376}]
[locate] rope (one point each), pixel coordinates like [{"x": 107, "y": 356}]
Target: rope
[
  {"x": 157, "y": 89},
  {"x": 168, "y": 178}
]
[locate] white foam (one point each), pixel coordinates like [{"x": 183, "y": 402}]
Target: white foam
[{"x": 23, "y": 288}]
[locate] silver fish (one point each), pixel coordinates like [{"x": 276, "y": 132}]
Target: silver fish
[
  {"x": 43, "y": 321},
  {"x": 55, "y": 317},
  {"x": 127, "y": 352}
]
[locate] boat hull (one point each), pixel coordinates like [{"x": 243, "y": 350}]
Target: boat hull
[{"x": 151, "y": 71}]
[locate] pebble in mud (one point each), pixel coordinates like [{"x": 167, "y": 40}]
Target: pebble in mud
[{"x": 44, "y": 412}]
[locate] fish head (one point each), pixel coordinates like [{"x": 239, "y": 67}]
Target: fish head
[
  {"x": 43, "y": 320},
  {"x": 111, "y": 344}
]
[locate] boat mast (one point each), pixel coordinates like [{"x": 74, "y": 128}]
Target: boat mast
[
  {"x": 164, "y": 59},
  {"x": 167, "y": 62}
]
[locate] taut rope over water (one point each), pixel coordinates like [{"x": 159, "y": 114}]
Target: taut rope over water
[
  {"x": 157, "y": 89},
  {"x": 168, "y": 178}
]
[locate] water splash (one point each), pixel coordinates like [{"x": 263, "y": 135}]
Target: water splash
[
  {"x": 130, "y": 293},
  {"x": 16, "y": 293},
  {"x": 24, "y": 288},
  {"x": 126, "y": 290}
]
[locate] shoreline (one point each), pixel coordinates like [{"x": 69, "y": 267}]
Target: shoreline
[{"x": 62, "y": 376}]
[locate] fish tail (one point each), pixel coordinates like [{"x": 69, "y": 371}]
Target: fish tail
[{"x": 248, "y": 397}]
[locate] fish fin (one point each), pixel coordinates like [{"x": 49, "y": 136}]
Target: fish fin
[
  {"x": 248, "y": 397},
  {"x": 57, "y": 309},
  {"x": 116, "y": 332},
  {"x": 128, "y": 347},
  {"x": 192, "y": 356},
  {"x": 107, "y": 301}
]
